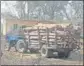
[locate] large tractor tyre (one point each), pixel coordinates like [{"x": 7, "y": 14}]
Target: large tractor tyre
[
  {"x": 45, "y": 52},
  {"x": 20, "y": 46}
]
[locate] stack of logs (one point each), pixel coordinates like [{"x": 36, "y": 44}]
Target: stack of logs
[{"x": 59, "y": 35}]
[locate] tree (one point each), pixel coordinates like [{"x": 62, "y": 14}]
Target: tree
[
  {"x": 42, "y": 9},
  {"x": 78, "y": 7}
]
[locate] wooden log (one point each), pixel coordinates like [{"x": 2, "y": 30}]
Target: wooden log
[
  {"x": 34, "y": 37},
  {"x": 34, "y": 43}
]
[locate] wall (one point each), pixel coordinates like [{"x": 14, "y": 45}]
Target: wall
[
  {"x": 11, "y": 22},
  {"x": 3, "y": 26}
]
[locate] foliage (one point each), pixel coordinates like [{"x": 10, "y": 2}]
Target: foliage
[{"x": 44, "y": 10}]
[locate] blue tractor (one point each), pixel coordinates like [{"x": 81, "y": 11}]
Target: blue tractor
[{"x": 15, "y": 39}]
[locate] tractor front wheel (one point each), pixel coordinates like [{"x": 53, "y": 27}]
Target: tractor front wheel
[{"x": 20, "y": 46}]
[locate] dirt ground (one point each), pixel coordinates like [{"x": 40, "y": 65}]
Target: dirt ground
[{"x": 15, "y": 58}]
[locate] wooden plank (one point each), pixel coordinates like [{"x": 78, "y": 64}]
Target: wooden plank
[
  {"x": 42, "y": 31},
  {"x": 34, "y": 43},
  {"x": 34, "y": 40},
  {"x": 50, "y": 37},
  {"x": 36, "y": 33},
  {"x": 34, "y": 37}
]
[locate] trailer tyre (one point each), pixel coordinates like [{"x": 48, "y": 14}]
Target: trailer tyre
[
  {"x": 45, "y": 52},
  {"x": 20, "y": 46}
]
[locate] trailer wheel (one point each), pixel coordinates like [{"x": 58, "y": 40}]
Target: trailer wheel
[
  {"x": 45, "y": 52},
  {"x": 20, "y": 46}
]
